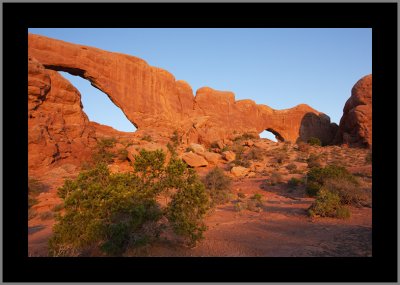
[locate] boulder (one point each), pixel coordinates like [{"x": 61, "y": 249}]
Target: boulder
[
  {"x": 194, "y": 160},
  {"x": 197, "y": 148},
  {"x": 228, "y": 155},
  {"x": 212, "y": 157},
  {"x": 239, "y": 171}
]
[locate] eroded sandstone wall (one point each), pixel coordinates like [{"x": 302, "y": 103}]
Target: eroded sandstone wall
[
  {"x": 150, "y": 97},
  {"x": 355, "y": 127}
]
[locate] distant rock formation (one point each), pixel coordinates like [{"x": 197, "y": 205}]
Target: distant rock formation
[
  {"x": 355, "y": 127},
  {"x": 150, "y": 98}
]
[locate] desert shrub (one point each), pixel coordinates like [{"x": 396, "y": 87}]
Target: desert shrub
[
  {"x": 113, "y": 212},
  {"x": 187, "y": 210},
  {"x": 327, "y": 204},
  {"x": 122, "y": 154},
  {"x": 102, "y": 153},
  {"x": 147, "y": 138},
  {"x": 318, "y": 175},
  {"x": 280, "y": 156},
  {"x": 314, "y": 141},
  {"x": 343, "y": 212},
  {"x": 258, "y": 198},
  {"x": 314, "y": 161},
  {"x": 218, "y": 185},
  {"x": 303, "y": 147},
  {"x": 241, "y": 195},
  {"x": 241, "y": 162},
  {"x": 175, "y": 139},
  {"x": 294, "y": 182},
  {"x": 275, "y": 178},
  {"x": 368, "y": 157},
  {"x": 225, "y": 148},
  {"x": 350, "y": 193},
  {"x": 238, "y": 149},
  {"x": 58, "y": 207},
  {"x": 291, "y": 167},
  {"x": 256, "y": 154}
]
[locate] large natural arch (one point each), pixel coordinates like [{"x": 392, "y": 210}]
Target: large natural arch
[
  {"x": 152, "y": 99},
  {"x": 98, "y": 106}
]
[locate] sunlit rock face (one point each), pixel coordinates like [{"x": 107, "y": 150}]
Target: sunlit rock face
[
  {"x": 150, "y": 97},
  {"x": 355, "y": 127}
]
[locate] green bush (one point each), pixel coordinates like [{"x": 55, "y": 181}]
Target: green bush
[
  {"x": 327, "y": 204},
  {"x": 102, "y": 153},
  {"x": 218, "y": 185},
  {"x": 317, "y": 176},
  {"x": 258, "y": 198},
  {"x": 350, "y": 192},
  {"x": 175, "y": 138},
  {"x": 294, "y": 182},
  {"x": 187, "y": 210},
  {"x": 113, "y": 212},
  {"x": 314, "y": 141}
]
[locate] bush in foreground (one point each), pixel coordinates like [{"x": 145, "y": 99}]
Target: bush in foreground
[
  {"x": 327, "y": 204},
  {"x": 317, "y": 176},
  {"x": 112, "y": 212}
]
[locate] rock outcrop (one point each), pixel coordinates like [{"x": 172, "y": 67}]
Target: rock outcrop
[
  {"x": 150, "y": 97},
  {"x": 355, "y": 127},
  {"x": 57, "y": 126}
]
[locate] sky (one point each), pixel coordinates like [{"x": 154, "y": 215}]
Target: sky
[{"x": 280, "y": 68}]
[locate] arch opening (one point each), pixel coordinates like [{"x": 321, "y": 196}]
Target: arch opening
[
  {"x": 271, "y": 135},
  {"x": 98, "y": 106}
]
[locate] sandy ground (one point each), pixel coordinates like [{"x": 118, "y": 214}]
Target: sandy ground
[{"x": 282, "y": 229}]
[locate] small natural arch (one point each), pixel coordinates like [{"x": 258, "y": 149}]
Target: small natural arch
[
  {"x": 98, "y": 106},
  {"x": 272, "y": 135}
]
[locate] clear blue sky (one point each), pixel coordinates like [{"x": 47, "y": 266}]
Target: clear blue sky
[{"x": 277, "y": 67}]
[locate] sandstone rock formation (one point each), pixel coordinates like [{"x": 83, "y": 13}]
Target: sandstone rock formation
[
  {"x": 194, "y": 160},
  {"x": 57, "y": 126},
  {"x": 355, "y": 127},
  {"x": 239, "y": 171},
  {"x": 151, "y": 97}
]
